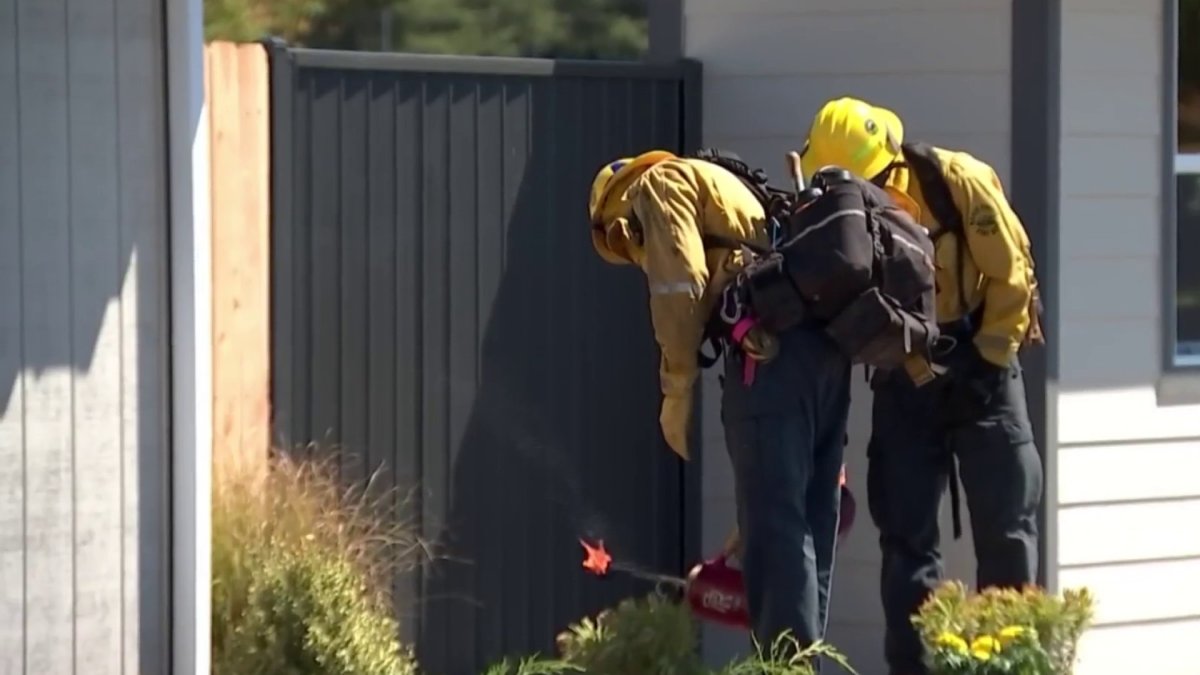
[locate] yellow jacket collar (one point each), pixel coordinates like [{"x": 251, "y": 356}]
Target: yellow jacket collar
[{"x": 897, "y": 186}]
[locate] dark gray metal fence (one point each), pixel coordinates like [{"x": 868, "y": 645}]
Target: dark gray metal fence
[{"x": 439, "y": 311}]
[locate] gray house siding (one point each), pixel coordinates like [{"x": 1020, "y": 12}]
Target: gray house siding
[
  {"x": 1129, "y": 461},
  {"x": 83, "y": 335}
]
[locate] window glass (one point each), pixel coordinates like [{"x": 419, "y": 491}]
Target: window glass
[
  {"x": 1189, "y": 76},
  {"x": 1187, "y": 181}
]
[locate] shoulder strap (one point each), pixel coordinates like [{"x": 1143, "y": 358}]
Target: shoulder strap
[
  {"x": 718, "y": 241},
  {"x": 927, "y": 169},
  {"x": 755, "y": 180}
]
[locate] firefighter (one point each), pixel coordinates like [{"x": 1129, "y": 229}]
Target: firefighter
[
  {"x": 973, "y": 421},
  {"x": 785, "y": 399}
]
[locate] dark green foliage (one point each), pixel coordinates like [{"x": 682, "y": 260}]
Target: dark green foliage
[{"x": 549, "y": 28}]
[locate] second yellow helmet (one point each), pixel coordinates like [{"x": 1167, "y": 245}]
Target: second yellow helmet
[
  {"x": 614, "y": 177},
  {"x": 855, "y": 135}
]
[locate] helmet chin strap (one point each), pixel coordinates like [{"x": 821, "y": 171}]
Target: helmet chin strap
[{"x": 881, "y": 179}]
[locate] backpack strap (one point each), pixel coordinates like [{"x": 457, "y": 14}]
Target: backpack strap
[
  {"x": 712, "y": 241},
  {"x": 927, "y": 169},
  {"x": 754, "y": 179},
  {"x": 772, "y": 199}
]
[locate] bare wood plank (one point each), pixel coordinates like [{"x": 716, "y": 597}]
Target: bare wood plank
[
  {"x": 12, "y": 367},
  {"x": 95, "y": 334},
  {"x": 144, "y": 336},
  {"x": 226, "y": 196},
  {"x": 253, "y": 294},
  {"x": 46, "y": 296},
  {"x": 238, "y": 93}
]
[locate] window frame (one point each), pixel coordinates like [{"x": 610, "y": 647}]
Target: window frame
[
  {"x": 1179, "y": 356},
  {"x": 1179, "y": 382},
  {"x": 1174, "y": 360}
]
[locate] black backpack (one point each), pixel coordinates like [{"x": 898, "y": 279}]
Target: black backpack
[
  {"x": 927, "y": 169},
  {"x": 845, "y": 258}
]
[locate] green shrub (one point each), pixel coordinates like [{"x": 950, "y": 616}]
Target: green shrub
[
  {"x": 301, "y": 572},
  {"x": 653, "y": 636},
  {"x": 657, "y": 636},
  {"x": 785, "y": 657},
  {"x": 533, "y": 665}
]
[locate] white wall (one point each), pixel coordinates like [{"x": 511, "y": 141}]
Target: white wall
[
  {"x": 944, "y": 66},
  {"x": 83, "y": 338},
  {"x": 1129, "y": 468}
]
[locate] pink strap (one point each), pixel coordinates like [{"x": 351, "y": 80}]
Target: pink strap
[
  {"x": 742, "y": 327},
  {"x": 748, "y": 367}
]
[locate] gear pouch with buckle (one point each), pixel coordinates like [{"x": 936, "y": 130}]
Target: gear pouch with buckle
[
  {"x": 874, "y": 331},
  {"x": 775, "y": 301}
]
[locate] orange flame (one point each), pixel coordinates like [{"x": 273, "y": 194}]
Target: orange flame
[{"x": 597, "y": 560}]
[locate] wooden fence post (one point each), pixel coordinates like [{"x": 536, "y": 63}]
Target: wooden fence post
[{"x": 237, "y": 88}]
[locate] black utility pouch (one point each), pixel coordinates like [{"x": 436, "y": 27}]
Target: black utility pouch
[
  {"x": 776, "y": 303},
  {"x": 873, "y": 331}
]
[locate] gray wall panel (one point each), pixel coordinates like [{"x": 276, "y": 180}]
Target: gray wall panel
[
  {"x": 83, "y": 335},
  {"x": 439, "y": 311}
]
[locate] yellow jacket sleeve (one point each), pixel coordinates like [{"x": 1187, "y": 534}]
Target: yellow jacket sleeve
[
  {"x": 998, "y": 245},
  {"x": 666, "y": 202}
]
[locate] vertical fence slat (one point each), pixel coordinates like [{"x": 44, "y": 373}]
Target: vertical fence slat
[
  {"x": 238, "y": 94},
  {"x": 408, "y": 158},
  {"x": 354, "y": 372}
]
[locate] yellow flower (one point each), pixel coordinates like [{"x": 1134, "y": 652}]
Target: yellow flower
[
  {"x": 952, "y": 641},
  {"x": 1010, "y": 633},
  {"x": 984, "y": 646}
]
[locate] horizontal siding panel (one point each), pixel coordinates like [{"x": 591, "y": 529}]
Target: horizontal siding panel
[
  {"x": 1118, "y": 414},
  {"x": 1112, "y": 43},
  {"x": 1100, "y": 473},
  {"x": 1089, "y": 106},
  {"x": 1127, "y": 355},
  {"x": 982, "y": 101},
  {"x": 765, "y": 44},
  {"x": 1118, "y": 288},
  {"x": 1089, "y": 169},
  {"x": 1073, "y": 8},
  {"x": 1139, "y": 591},
  {"x": 1149, "y": 531},
  {"x": 1109, "y": 227},
  {"x": 1149, "y": 649},
  {"x": 793, "y": 8}
]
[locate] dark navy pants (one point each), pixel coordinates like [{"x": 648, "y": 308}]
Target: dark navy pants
[
  {"x": 785, "y": 434},
  {"x": 914, "y": 437}
]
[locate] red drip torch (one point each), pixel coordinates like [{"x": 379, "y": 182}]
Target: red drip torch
[{"x": 713, "y": 589}]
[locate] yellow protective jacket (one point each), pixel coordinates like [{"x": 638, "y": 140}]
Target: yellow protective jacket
[
  {"x": 998, "y": 266},
  {"x": 675, "y": 203}
]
